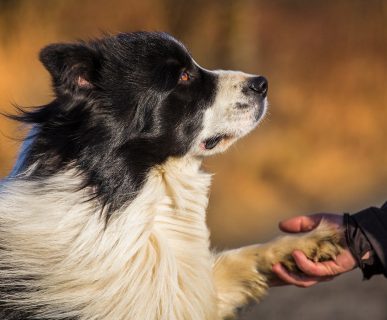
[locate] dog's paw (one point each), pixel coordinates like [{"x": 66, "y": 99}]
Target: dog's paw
[
  {"x": 244, "y": 275},
  {"x": 321, "y": 244}
]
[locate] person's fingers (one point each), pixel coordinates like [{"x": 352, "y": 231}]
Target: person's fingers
[
  {"x": 316, "y": 269},
  {"x": 286, "y": 278},
  {"x": 300, "y": 223},
  {"x": 290, "y": 278}
]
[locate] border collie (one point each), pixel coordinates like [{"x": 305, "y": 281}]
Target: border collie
[{"x": 104, "y": 214}]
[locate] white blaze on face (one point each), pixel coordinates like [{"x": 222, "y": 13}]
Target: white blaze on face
[{"x": 235, "y": 112}]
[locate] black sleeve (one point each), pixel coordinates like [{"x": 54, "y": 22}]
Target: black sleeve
[{"x": 366, "y": 231}]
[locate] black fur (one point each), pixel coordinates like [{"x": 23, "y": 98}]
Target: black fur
[{"x": 120, "y": 109}]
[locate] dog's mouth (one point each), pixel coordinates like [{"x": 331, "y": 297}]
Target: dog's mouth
[{"x": 212, "y": 142}]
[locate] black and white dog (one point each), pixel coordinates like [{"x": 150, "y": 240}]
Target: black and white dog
[{"x": 104, "y": 216}]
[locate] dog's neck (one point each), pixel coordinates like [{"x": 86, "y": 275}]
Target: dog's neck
[
  {"x": 177, "y": 196},
  {"x": 159, "y": 241}
]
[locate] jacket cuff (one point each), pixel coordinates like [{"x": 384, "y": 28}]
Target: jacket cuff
[
  {"x": 368, "y": 233},
  {"x": 359, "y": 245}
]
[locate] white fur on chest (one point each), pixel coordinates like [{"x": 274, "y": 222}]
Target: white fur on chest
[{"x": 151, "y": 262}]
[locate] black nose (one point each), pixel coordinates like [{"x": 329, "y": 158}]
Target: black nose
[{"x": 259, "y": 85}]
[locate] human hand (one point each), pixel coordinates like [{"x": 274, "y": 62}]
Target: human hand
[{"x": 314, "y": 272}]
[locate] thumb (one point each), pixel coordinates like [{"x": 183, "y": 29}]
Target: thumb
[{"x": 300, "y": 223}]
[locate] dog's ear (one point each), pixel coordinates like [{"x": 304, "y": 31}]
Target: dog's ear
[{"x": 72, "y": 66}]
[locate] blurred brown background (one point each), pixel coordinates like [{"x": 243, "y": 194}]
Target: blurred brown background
[{"x": 321, "y": 148}]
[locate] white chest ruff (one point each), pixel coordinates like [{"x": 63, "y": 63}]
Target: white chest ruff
[
  {"x": 176, "y": 261},
  {"x": 151, "y": 262}
]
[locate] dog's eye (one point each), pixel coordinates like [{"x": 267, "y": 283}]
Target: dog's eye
[{"x": 184, "y": 76}]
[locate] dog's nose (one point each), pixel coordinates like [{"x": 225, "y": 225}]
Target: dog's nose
[{"x": 259, "y": 85}]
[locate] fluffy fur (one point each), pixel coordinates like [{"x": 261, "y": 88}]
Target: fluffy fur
[{"x": 104, "y": 216}]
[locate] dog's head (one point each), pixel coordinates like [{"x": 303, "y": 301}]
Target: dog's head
[{"x": 128, "y": 102}]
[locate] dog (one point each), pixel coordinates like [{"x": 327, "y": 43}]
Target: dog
[{"x": 104, "y": 214}]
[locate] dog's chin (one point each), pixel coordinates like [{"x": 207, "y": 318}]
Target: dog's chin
[
  {"x": 221, "y": 140},
  {"x": 218, "y": 143}
]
